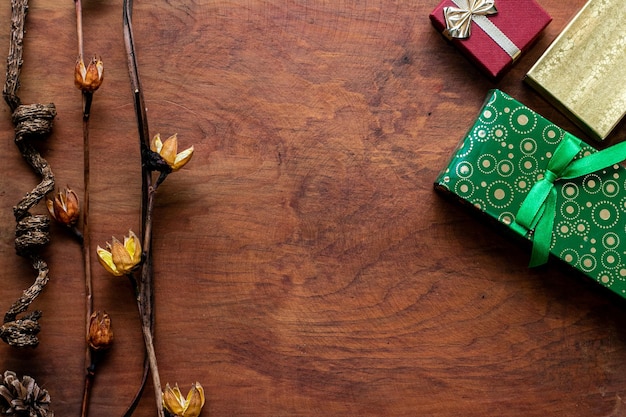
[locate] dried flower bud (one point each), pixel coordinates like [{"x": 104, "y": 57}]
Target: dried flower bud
[
  {"x": 23, "y": 397},
  {"x": 121, "y": 259},
  {"x": 64, "y": 207},
  {"x": 179, "y": 406},
  {"x": 100, "y": 335},
  {"x": 168, "y": 151},
  {"x": 89, "y": 79}
]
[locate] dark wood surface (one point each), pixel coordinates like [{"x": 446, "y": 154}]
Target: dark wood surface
[{"x": 303, "y": 264}]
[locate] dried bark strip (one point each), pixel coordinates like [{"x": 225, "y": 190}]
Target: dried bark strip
[{"x": 19, "y": 8}]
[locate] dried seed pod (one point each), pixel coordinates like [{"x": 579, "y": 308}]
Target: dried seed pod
[
  {"x": 64, "y": 207},
  {"x": 100, "y": 335},
  {"x": 88, "y": 78},
  {"x": 121, "y": 258},
  {"x": 177, "y": 405},
  {"x": 169, "y": 151}
]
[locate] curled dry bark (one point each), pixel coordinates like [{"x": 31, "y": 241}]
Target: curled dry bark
[{"x": 32, "y": 122}]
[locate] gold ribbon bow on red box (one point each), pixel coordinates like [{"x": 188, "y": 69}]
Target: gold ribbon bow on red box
[{"x": 459, "y": 23}]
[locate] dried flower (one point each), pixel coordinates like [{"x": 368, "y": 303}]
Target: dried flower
[
  {"x": 100, "y": 335},
  {"x": 23, "y": 398},
  {"x": 176, "y": 404},
  {"x": 168, "y": 151},
  {"x": 64, "y": 207},
  {"x": 121, "y": 259},
  {"x": 88, "y": 79}
]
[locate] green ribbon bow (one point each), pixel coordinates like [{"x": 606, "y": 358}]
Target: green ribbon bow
[{"x": 538, "y": 210}]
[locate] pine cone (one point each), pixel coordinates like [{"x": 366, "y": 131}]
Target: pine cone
[{"x": 23, "y": 398}]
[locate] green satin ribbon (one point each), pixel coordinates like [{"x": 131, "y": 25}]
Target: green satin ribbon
[{"x": 538, "y": 211}]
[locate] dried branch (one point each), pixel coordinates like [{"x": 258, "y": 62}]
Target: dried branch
[
  {"x": 145, "y": 300},
  {"x": 88, "y": 79}
]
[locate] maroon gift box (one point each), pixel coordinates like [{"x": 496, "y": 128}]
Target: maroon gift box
[{"x": 520, "y": 20}]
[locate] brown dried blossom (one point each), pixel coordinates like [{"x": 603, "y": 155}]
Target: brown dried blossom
[
  {"x": 100, "y": 335},
  {"x": 89, "y": 78},
  {"x": 64, "y": 207}
]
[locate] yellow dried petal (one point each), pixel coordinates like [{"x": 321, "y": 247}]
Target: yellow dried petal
[
  {"x": 121, "y": 258},
  {"x": 194, "y": 401},
  {"x": 173, "y": 400},
  {"x": 168, "y": 151},
  {"x": 50, "y": 206},
  {"x": 106, "y": 260},
  {"x": 133, "y": 247},
  {"x": 156, "y": 145},
  {"x": 182, "y": 158},
  {"x": 79, "y": 73}
]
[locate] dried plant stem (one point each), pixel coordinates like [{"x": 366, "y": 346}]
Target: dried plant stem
[
  {"x": 32, "y": 234},
  {"x": 146, "y": 301},
  {"x": 79, "y": 26},
  {"x": 87, "y": 97},
  {"x": 145, "y": 286},
  {"x": 86, "y": 249},
  {"x": 84, "y": 409}
]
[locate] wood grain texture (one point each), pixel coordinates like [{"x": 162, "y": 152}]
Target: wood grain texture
[{"x": 303, "y": 264}]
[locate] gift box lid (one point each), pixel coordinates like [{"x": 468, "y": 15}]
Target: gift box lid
[
  {"x": 519, "y": 21},
  {"x": 582, "y": 72},
  {"x": 513, "y": 158}
]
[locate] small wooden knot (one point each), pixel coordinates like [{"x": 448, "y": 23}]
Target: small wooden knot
[
  {"x": 32, "y": 120},
  {"x": 22, "y": 332},
  {"x": 32, "y": 233}
]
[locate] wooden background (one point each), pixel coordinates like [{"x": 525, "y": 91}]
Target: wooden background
[{"x": 304, "y": 265}]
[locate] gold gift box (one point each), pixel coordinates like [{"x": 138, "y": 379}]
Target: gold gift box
[{"x": 583, "y": 72}]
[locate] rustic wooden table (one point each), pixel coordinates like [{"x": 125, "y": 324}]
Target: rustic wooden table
[{"x": 303, "y": 264}]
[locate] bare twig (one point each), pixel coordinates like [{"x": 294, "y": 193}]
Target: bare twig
[
  {"x": 87, "y": 98},
  {"x": 145, "y": 287},
  {"x": 86, "y": 249}
]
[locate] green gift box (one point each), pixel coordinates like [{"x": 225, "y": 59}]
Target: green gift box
[{"x": 546, "y": 186}]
